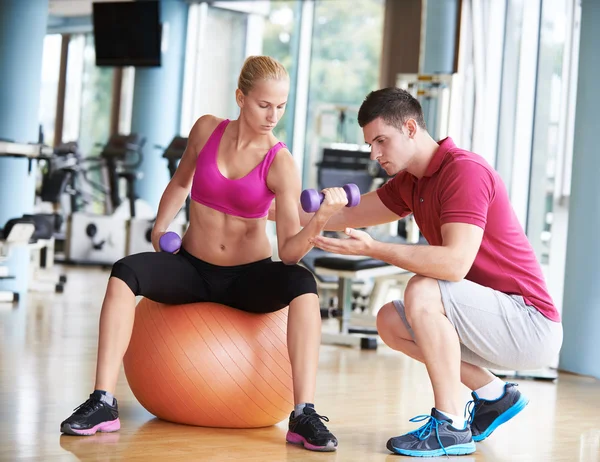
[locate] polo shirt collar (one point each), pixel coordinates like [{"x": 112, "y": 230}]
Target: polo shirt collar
[{"x": 436, "y": 161}]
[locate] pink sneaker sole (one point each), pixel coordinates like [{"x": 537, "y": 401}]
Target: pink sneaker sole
[
  {"x": 295, "y": 438},
  {"x": 107, "y": 427}
]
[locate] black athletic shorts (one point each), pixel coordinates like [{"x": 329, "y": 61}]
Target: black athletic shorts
[{"x": 263, "y": 286}]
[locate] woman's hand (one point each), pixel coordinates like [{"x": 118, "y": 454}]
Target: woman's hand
[
  {"x": 156, "y": 235},
  {"x": 334, "y": 201}
]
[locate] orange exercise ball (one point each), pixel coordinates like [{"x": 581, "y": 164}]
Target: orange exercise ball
[{"x": 210, "y": 365}]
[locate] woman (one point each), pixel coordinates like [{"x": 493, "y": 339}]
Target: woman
[{"x": 234, "y": 170}]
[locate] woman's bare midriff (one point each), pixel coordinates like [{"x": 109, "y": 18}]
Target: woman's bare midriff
[{"x": 225, "y": 240}]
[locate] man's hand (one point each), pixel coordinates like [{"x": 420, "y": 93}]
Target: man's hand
[{"x": 358, "y": 243}]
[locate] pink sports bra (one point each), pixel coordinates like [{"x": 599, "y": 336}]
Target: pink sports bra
[{"x": 247, "y": 197}]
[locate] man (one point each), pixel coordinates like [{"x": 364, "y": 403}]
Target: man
[{"x": 478, "y": 299}]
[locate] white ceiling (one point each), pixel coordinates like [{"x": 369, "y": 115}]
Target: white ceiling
[{"x": 74, "y": 7}]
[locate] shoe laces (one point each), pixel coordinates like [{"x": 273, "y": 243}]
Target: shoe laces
[
  {"x": 423, "y": 432},
  {"x": 89, "y": 406},
  {"x": 471, "y": 410},
  {"x": 316, "y": 421}
]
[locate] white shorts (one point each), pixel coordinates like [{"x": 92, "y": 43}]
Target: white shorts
[{"x": 496, "y": 330}]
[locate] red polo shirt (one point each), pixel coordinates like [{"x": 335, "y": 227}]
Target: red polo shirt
[{"x": 460, "y": 187}]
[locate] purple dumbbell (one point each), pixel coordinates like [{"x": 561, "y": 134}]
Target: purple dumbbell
[
  {"x": 311, "y": 199},
  {"x": 169, "y": 242}
]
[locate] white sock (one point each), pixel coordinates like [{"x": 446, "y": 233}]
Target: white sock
[
  {"x": 491, "y": 391},
  {"x": 458, "y": 422}
]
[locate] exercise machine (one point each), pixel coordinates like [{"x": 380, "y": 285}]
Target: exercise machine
[
  {"x": 60, "y": 179},
  {"x": 34, "y": 231},
  {"x": 139, "y": 230},
  {"x": 102, "y": 239},
  {"x": 40, "y": 243},
  {"x": 358, "y": 329},
  {"x": 61, "y": 192}
]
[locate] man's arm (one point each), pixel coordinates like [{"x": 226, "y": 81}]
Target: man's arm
[
  {"x": 466, "y": 191},
  {"x": 369, "y": 212},
  {"x": 450, "y": 261}
]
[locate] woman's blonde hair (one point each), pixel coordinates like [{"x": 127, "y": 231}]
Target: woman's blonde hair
[{"x": 258, "y": 68}]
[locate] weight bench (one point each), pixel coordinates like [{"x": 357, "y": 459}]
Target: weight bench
[{"x": 348, "y": 269}]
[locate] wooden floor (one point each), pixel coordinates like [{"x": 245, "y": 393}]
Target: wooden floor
[{"x": 47, "y": 360}]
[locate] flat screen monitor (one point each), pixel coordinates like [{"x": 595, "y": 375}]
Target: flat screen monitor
[{"x": 127, "y": 33}]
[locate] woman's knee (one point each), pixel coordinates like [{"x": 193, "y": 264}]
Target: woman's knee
[
  {"x": 306, "y": 300},
  {"x": 300, "y": 281},
  {"x": 117, "y": 286},
  {"x": 123, "y": 271}
]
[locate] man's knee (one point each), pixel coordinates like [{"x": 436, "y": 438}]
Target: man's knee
[
  {"x": 422, "y": 297},
  {"x": 387, "y": 316},
  {"x": 391, "y": 327}
]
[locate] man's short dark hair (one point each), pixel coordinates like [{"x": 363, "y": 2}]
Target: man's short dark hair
[{"x": 394, "y": 105}]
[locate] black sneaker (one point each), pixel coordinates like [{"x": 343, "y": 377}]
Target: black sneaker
[
  {"x": 309, "y": 430},
  {"x": 95, "y": 415},
  {"x": 436, "y": 438},
  {"x": 486, "y": 415}
]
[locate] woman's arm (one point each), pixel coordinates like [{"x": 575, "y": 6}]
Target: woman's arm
[
  {"x": 284, "y": 180},
  {"x": 371, "y": 211},
  {"x": 179, "y": 187}
]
